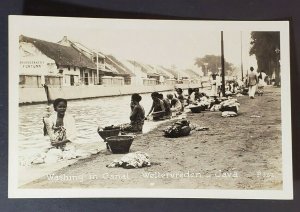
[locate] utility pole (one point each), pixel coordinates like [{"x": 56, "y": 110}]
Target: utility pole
[
  {"x": 97, "y": 75},
  {"x": 242, "y": 56},
  {"x": 223, "y": 65}
]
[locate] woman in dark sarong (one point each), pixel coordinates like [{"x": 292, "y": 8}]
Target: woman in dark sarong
[{"x": 167, "y": 105}]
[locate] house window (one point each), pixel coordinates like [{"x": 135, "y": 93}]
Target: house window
[
  {"x": 72, "y": 80},
  {"x": 69, "y": 68},
  {"x": 74, "y": 68}
]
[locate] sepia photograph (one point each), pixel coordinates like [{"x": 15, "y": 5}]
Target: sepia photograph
[{"x": 149, "y": 108}]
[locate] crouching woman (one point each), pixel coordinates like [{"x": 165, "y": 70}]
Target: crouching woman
[
  {"x": 60, "y": 126},
  {"x": 137, "y": 115}
]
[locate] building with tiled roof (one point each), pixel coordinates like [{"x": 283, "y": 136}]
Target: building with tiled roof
[
  {"x": 96, "y": 57},
  {"x": 67, "y": 63}
]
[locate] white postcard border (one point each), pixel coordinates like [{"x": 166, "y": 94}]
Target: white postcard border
[{"x": 15, "y": 28}]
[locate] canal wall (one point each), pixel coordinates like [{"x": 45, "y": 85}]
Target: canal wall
[{"x": 38, "y": 95}]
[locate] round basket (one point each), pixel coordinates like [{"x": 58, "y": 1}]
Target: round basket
[
  {"x": 185, "y": 131},
  {"x": 197, "y": 109},
  {"x": 228, "y": 108},
  {"x": 158, "y": 115},
  {"x": 105, "y": 133},
  {"x": 119, "y": 144}
]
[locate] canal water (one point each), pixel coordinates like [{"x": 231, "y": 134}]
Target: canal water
[{"x": 88, "y": 114}]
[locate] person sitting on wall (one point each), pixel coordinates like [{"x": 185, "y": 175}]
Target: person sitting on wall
[
  {"x": 137, "y": 115},
  {"x": 157, "y": 107},
  {"x": 60, "y": 126}
]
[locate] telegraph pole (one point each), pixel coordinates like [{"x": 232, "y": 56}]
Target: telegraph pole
[
  {"x": 223, "y": 65},
  {"x": 97, "y": 74},
  {"x": 242, "y": 57}
]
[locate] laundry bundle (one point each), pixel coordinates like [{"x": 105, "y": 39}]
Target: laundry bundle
[
  {"x": 131, "y": 161},
  {"x": 178, "y": 129},
  {"x": 229, "y": 114},
  {"x": 230, "y": 105},
  {"x": 215, "y": 108}
]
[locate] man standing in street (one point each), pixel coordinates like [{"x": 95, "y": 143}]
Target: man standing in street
[{"x": 252, "y": 81}]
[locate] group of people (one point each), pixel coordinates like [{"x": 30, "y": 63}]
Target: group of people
[
  {"x": 60, "y": 126},
  {"x": 255, "y": 83},
  {"x": 166, "y": 107}
]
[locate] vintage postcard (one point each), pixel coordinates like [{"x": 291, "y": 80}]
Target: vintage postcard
[{"x": 149, "y": 108}]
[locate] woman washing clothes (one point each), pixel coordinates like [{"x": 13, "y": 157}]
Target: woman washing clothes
[
  {"x": 180, "y": 97},
  {"x": 197, "y": 94},
  {"x": 137, "y": 115},
  {"x": 167, "y": 105},
  {"x": 191, "y": 98},
  {"x": 157, "y": 107},
  {"x": 176, "y": 106},
  {"x": 60, "y": 126}
]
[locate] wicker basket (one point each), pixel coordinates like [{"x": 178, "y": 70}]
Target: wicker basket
[
  {"x": 197, "y": 109},
  {"x": 158, "y": 115},
  {"x": 119, "y": 144},
  {"x": 105, "y": 133},
  {"x": 229, "y": 108}
]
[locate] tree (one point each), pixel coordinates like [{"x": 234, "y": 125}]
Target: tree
[
  {"x": 212, "y": 63},
  {"x": 264, "y": 45}
]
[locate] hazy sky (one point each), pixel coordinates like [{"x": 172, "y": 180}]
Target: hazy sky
[{"x": 153, "y": 45}]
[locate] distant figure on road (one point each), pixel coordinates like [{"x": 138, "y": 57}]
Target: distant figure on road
[
  {"x": 261, "y": 83},
  {"x": 252, "y": 82},
  {"x": 214, "y": 86}
]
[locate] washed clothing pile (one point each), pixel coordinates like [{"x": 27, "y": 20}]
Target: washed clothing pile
[
  {"x": 228, "y": 93},
  {"x": 229, "y": 114},
  {"x": 215, "y": 108},
  {"x": 230, "y": 105},
  {"x": 178, "y": 129},
  {"x": 54, "y": 155},
  {"x": 131, "y": 161}
]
